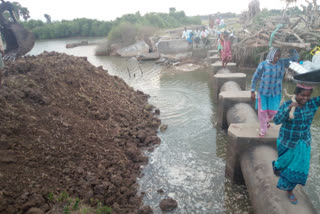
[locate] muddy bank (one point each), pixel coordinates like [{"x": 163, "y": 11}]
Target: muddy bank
[{"x": 67, "y": 126}]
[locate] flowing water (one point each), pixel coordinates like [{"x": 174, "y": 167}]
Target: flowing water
[{"x": 189, "y": 164}]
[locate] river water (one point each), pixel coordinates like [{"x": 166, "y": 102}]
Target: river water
[{"x": 189, "y": 164}]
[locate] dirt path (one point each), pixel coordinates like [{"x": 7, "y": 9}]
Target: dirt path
[{"x": 66, "y": 125}]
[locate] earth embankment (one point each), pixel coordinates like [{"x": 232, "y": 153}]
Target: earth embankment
[{"x": 66, "y": 125}]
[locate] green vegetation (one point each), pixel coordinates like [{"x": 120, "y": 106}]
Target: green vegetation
[
  {"x": 159, "y": 20},
  {"x": 89, "y": 27},
  {"x": 72, "y": 206},
  {"x": 132, "y": 27},
  {"x": 18, "y": 11},
  {"x": 63, "y": 29}
]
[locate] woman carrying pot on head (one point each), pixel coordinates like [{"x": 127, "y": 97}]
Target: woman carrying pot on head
[{"x": 294, "y": 141}]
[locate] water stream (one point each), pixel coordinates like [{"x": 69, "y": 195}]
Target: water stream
[{"x": 189, "y": 164}]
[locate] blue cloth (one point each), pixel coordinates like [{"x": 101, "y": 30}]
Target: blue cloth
[
  {"x": 269, "y": 102},
  {"x": 298, "y": 129},
  {"x": 190, "y": 37},
  {"x": 293, "y": 165},
  {"x": 271, "y": 76}
]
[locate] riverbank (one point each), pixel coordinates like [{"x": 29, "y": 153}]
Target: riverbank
[{"x": 70, "y": 130}]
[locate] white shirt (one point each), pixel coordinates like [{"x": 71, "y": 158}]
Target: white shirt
[{"x": 185, "y": 34}]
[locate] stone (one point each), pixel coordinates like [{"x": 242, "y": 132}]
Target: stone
[
  {"x": 136, "y": 49},
  {"x": 168, "y": 204},
  {"x": 145, "y": 210},
  {"x": 35, "y": 210}
]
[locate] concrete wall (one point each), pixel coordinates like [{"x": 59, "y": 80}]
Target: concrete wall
[
  {"x": 176, "y": 46},
  {"x": 173, "y": 46}
]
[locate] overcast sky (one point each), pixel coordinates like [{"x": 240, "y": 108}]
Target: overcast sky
[{"x": 111, "y": 9}]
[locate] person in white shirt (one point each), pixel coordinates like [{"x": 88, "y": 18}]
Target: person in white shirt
[
  {"x": 204, "y": 36},
  {"x": 188, "y": 34},
  {"x": 185, "y": 34},
  {"x": 197, "y": 35}
]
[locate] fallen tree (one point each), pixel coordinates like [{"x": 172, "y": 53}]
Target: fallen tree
[{"x": 262, "y": 31}]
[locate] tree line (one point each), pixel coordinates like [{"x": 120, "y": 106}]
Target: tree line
[{"x": 91, "y": 27}]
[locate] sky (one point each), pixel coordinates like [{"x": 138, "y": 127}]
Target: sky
[{"x": 108, "y": 10}]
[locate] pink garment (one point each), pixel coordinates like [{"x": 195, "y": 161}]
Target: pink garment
[
  {"x": 308, "y": 87},
  {"x": 264, "y": 117},
  {"x": 226, "y": 52}
]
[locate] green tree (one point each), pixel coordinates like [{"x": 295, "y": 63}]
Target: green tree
[{"x": 20, "y": 11}]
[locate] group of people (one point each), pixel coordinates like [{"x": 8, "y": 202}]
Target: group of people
[
  {"x": 196, "y": 36},
  {"x": 294, "y": 140}
]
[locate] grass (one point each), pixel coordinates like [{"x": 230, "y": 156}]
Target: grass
[{"x": 76, "y": 206}]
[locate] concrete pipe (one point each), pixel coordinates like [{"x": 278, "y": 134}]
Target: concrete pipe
[
  {"x": 230, "y": 86},
  {"x": 261, "y": 183},
  {"x": 224, "y": 71},
  {"x": 241, "y": 113}
]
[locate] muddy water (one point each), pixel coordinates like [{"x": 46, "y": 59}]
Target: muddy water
[{"x": 189, "y": 164}]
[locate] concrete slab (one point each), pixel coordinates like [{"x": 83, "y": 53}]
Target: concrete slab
[
  {"x": 227, "y": 99},
  {"x": 224, "y": 71},
  {"x": 213, "y": 59},
  {"x": 212, "y": 52},
  {"x": 242, "y": 138},
  {"x": 173, "y": 46},
  {"x": 218, "y": 65},
  {"x": 261, "y": 184},
  {"x": 218, "y": 80}
]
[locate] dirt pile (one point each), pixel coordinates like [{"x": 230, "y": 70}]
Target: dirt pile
[{"x": 67, "y": 126}]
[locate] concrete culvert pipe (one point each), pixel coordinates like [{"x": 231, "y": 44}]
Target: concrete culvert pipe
[
  {"x": 241, "y": 113},
  {"x": 261, "y": 183},
  {"x": 230, "y": 86},
  {"x": 224, "y": 71}
]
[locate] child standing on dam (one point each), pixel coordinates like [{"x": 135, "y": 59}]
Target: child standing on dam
[
  {"x": 294, "y": 141},
  {"x": 270, "y": 73}
]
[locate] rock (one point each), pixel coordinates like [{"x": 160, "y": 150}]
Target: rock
[
  {"x": 141, "y": 135},
  {"x": 3, "y": 202},
  {"x": 137, "y": 49},
  {"x": 168, "y": 204},
  {"x": 157, "y": 111},
  {"x": 148, "y": 107},
  {"x": 76, "y": 44},
  {"x": 161, "y": 60},
  {"x": 145, "y": 210},
  {"x": 163, "y": 127},
  {"x": 173, "y": 46},
  {"x": 7, "y": 156},
  {"x": 34, "y": 200},
  {"x": 160, "y": 191},
  {"x": 34, "y": 210},
  {"x": 149, "y": 56}
]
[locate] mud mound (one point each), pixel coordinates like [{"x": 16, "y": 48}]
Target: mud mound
[{"x": 66, "y": 125}]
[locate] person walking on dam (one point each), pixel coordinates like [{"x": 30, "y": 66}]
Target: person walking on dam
[
  {"x": 270, "y": 74},
  {"x": 294, "y": 140}
]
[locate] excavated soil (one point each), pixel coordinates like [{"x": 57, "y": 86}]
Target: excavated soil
[{"x": 66, "y": 125}]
